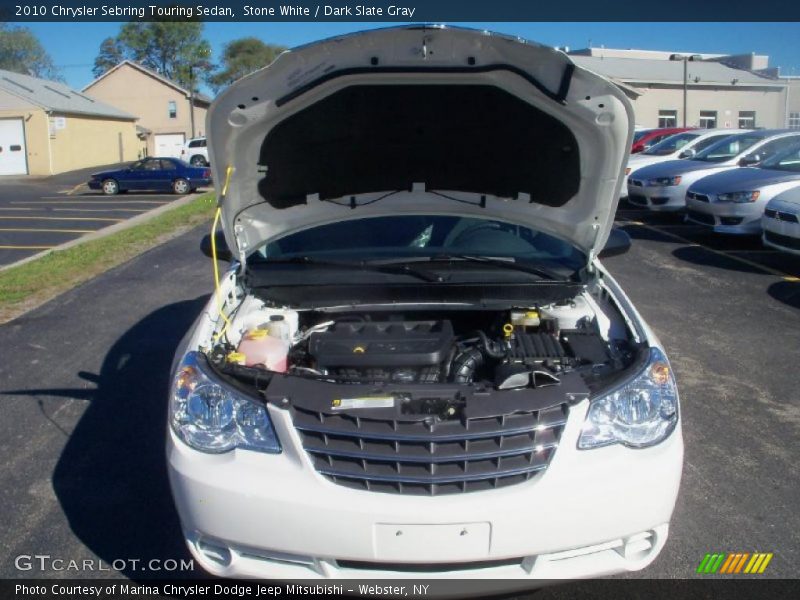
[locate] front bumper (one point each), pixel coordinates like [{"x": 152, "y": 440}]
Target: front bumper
[
  {"x": 657, "y": 198},
  {"x": 592, "y": 513},
  {"x": 727, "y": 217},
  {"x": 781, "y": 235}
]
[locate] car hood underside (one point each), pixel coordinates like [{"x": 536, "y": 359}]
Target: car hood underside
[{"x": 420, "y": 120}]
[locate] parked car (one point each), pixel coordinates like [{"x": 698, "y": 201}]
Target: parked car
[
  {"x": 156, "y": 174},
  {"x": 781, "y": 222},
  {"x": 733, "y": 201},
  {"x": 646, "y": 138},
  {"x": 663, "y": 186},
  {"x": 416, "y": 363},
  {"x": 680, "y": 145},
  {"x": 195, "y": 152}
]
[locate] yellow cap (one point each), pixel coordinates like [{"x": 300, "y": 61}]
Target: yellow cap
[
  {"x": 236, "y": 357},
  {"x": 508, "y": 329},
  {"x": 532, "y": 314},
  {"x": 256, "y": 334}
]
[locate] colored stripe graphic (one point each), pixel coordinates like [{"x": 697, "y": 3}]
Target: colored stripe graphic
[{"x": 734, "y": 562}]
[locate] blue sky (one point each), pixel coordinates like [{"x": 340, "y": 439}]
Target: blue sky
[{"x": 74, "y": 46}]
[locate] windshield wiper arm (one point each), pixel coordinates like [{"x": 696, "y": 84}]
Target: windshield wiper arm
[
  {"x": 505, "y": 264},
  {"x": 360, "y": 266}
]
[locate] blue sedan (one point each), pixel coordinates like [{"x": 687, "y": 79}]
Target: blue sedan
[{"x": 152, "y": 173}]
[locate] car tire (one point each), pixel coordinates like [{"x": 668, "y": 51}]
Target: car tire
[
  {"x": 181, "y": 186},
  {"x": 198, "y": 160},
  {"x": 110, "y": 187}
]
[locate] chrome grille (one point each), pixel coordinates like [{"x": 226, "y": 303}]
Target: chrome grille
[
  {"x": 781, "y": 216},
  {"x": 699, "y": 197},
  {"x": 430, "y": 457}
]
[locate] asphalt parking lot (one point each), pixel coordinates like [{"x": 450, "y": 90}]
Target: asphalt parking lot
[
  {"x": 37, "y": 214},
  {"x": 83, "y": 381}
]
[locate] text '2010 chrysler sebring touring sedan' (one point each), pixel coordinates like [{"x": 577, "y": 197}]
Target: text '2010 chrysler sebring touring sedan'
[{"x": 416, "y": 365}]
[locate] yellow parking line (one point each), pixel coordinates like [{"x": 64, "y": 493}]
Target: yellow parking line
[
  {"x": 50, "y": 230},
  {"x": 61, "y": 219},
  {"x": 755, "y": 265},
  {"x": 26, "y": 247}
]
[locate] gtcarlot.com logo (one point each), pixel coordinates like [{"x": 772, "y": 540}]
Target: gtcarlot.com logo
[
  {"x": 47, "y": 562},
  {"x": 734, "y": 563}
]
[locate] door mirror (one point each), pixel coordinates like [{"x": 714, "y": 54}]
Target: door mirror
[
  {"x": 749, "y": 160},
  {"x": 688, "y": 153},
  {"x": 223, "y": 252},
  {"x": 619, "y": 242}
]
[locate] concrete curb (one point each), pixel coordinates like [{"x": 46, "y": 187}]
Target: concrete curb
[{"x": 111, "y": 229}]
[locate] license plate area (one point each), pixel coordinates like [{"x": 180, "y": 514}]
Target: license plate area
[{"x": 432, "y": 543}]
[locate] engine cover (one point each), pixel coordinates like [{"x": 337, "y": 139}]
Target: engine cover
[{"x": 386, "y": 344}]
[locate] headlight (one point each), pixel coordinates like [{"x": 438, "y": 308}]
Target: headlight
[
  {"x": 739, "y": 197},
  {"x": 665, "y": 181},
  {"x": 641, "y": 413},
  {"x": 213, "y": 418}
]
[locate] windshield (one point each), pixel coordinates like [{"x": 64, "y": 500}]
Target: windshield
[
  {"x": 671, "y": 144},
  {"x": 727, "y": 148},
  {"x": 785, "y": 161},
  {"x": 411, "y": 237}
]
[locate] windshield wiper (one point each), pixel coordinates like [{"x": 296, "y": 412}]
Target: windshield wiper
[
  {"x": 360, "y": 266},
  {"x": 504, "y": 264}
]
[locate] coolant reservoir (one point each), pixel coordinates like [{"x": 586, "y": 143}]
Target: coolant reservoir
[{"x": 262, "y": 349}]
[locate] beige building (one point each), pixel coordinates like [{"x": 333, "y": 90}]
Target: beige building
[
  {"x": 726, "y": 91},
  {"x": 47, "y": 128},
  {"x": 792, "y": 101},
  {"x": 169, "y": 113}
]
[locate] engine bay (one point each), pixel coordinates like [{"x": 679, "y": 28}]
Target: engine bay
[{"x": 508, "y": 349}]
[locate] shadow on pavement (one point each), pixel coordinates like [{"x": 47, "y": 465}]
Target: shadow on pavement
[
  {"x": 703, "y": 257},
  {"x": 111, "y": 478},
  {"x": 787, "y": 292}
]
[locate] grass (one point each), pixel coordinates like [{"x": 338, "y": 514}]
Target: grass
[{"x": 30, "y": 285}]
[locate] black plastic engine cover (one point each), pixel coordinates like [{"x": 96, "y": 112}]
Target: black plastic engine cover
[{"x": 382, "y": 344}]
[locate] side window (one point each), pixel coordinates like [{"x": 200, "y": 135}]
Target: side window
[
  {"x": 168, "y": 165},
  {"x": 703, "y": 144},
  {"x": 197, "y": 144},
  {"x": 152, "y": 164},
  {"x": 172, "y": 107},
  {"x": 772, "y": 148}
]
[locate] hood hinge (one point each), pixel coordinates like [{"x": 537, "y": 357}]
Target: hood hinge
[{"x": 593, "y": 252}]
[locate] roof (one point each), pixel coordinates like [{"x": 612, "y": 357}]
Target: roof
[
  {"x": 644, "y": 70},
  {"x": 57, "y": 97},
  {"x": 154, "y": 74}
]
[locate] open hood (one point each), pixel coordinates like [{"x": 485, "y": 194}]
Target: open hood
[{"x": 498, "y": 127}]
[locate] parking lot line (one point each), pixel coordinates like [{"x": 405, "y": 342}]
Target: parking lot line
[
  {"x": 136, "y": 210},
  {"x": 105, "y": 196},
  {"x": 26, "y": 247},
  {"x": 750, "y": 263},
  {"x": 2, "y": 218},
  {"x": 48, "y": 230},
  {"x": 91, "y": 202}
]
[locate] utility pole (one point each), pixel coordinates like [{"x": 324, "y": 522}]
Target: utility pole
[{"x": 685, "y": 58}]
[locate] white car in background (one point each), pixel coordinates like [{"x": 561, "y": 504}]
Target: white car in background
[
  {"x": 781, "y": 222},
  {"x": 367, "y": 395},
  {"x": 733, "y": 201},
  {"x": 663, "y": 186},
  {"x": 195, "y": 152},
  {"x": 681, "y": 145}
]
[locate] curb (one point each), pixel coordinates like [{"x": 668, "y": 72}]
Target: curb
[{"x": 106, "y": 231}]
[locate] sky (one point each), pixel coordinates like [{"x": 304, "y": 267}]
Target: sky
[{"x": 74, "y": 46}]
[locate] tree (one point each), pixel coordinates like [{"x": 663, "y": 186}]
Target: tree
[
  {"x": 176, "y": 50},
  {"x": 111, "y": 54},
  {"x": 22, "y": 52},
  {"x": 241, "y": 57}
]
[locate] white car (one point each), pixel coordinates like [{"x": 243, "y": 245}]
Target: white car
[
  {"x": 663, "y": 186},
  {"x": 681, "y": 145},
  {"x": 781, "y": 222},
  {"x": 195, "y": 152},
  {"x": 417, "y": 366}
]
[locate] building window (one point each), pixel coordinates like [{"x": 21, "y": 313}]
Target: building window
[
  {"x": 708, "y": 119},
  {"x": 173, "y": 109},
  {"x": 667, "y": 118},
  {"x": 794, "y": 120},
  {"x": 747, "y": 119}
]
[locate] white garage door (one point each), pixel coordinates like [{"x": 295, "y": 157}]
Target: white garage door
[
  {"x": 12, "y": 148},
  {"x": 169, "y": 144}
]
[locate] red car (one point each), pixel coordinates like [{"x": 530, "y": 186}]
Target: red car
[{"x": 644, "y": 138}]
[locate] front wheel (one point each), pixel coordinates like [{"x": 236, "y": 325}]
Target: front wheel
[
  {"x": 110, "y": 187},
  {"x": 181, "y": 186}
]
